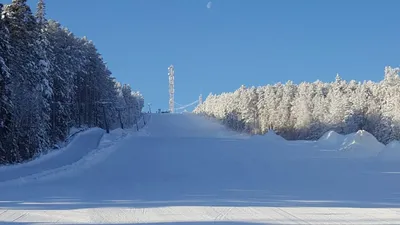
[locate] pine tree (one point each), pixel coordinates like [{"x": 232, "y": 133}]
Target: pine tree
[
  {"x": 307, "y": 111},
  {"x": 301, "y": 111},
  {"x": 8, "y": 147},
  {"x": 50, "y": 80},
  {"x": 43, "y": 49},
  {"x": 62, "y": 72},
  {"x": 21, "y": 23},
  {"x": 41, "y": 12}
]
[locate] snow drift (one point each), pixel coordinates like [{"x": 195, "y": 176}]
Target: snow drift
[
  {"x": 269, "y": 136},
  {"x": 361, "y": 144},
  {"x": 79, "y": 145},
  {"x": 71, "y": 164},
  {"x": 331, "y": 140},
  {"x": 114, "y": 135}
]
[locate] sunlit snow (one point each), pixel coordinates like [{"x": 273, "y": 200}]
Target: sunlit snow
[{"x": 186, "y": 169}]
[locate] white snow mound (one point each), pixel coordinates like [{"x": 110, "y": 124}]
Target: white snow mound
[
  {"x": 108, "y": 144},
  {"x": 391, "y": 152},
  {"x": 331, "y": 139},
  {"x": 86, "y": 139},
  {"x": 270, "y": 136},
  {"x": 74, "y": 130},
  {"x": 361, "y": 144}
]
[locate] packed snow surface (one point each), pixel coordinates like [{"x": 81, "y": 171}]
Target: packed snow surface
[
  {"x": 391, "y": 152},
  {"x": 186, "y": 169}
]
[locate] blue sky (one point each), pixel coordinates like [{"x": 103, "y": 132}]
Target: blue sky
[{"x": 236, "y": 42}]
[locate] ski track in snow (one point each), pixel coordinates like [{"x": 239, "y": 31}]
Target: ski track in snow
[{"x": 186, "y": 169}]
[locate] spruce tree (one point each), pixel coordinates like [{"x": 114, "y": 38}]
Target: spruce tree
[
  {"x": 8, "y": 148},
  {"x": 28, "y": 65},
  {"x": 41, "y": 12}
]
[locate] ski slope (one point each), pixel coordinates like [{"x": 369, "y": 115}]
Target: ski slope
[{"x": 185, "y": 169}]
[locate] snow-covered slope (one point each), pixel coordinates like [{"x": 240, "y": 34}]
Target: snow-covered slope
[
  {"x": 81, "y": 145},
  {"x": 185, "y": 169}
]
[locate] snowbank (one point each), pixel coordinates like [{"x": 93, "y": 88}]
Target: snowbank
[
  {"x": 361, "y": 144},
  {"x": 269, "y": 136},
  {"x": 113, "y": 136},
  {"x": 358, "y": 145},
  {"x": 331, "y": 140},
  {"x": 77, "y": 146},
  {"x": 107, "y": 145},
  {"x": 391, "y": 152},
  {"x": 88, "y": 149},
  {"x": 75, "y": 130}
]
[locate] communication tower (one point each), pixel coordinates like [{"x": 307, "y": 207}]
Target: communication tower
[{"x": 171, "y": 72}]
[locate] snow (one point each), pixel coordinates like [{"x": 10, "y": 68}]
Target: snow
[
  {"x": 361, "y": 144},
  {"x": 331, "y": 140},
  {"x": 269, "y": 136},
  {"x": 78, "y": 146},
  {"x": 112, "y": 137},
  {"x": 186, "y": 169},
  {"x": 355, "y": 145},
  {"x": 75, "y": 130},
  {"x": 102, "y": 145},
  {"x": 391, "y": 152}
]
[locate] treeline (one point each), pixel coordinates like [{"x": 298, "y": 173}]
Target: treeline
[
  {"x": 308, "y": 110},
  {"x": 50, "y": 81}
]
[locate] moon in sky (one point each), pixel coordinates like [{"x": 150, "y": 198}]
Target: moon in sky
[{"x": 209, "y": 4}]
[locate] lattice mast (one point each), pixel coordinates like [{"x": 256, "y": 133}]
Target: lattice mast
[
  {"x": 200, "y": 99},
  {"x": 171, "y": 72}
]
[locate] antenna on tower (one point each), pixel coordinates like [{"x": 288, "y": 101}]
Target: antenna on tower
[{"x": 171, "y": 72}]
